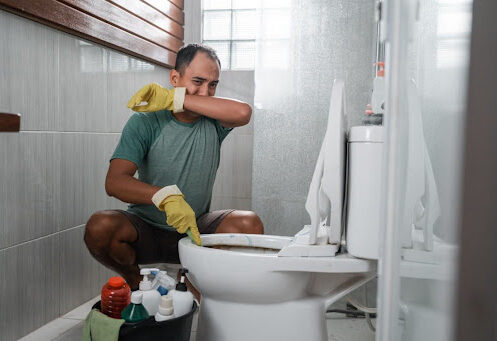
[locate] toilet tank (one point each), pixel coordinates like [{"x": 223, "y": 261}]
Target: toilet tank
[{"x": 365, "y": 153}]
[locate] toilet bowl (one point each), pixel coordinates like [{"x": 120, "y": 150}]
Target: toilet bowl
[
  {"x": 250, "y": 293},
  {"x": 264, "y": 287}
]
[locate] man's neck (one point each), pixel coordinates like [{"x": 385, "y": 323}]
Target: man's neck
[{"x": 186, "y": 116}]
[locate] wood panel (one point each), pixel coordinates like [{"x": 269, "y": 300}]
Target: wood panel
[
  {"x": 10, "y": 122},
  {"x": 151, "y": 15},
  {"x": 153, "y": 31},
  {"x": 126, "y": 21},
  {"x": 169, "y": 9}
]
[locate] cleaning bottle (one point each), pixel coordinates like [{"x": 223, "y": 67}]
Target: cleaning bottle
[
  {"x": 115, "y": 296},
  {"x": 162, "y": 282},
  {"x": 135, "y": 312},
  {"x": 151, "y": 297},
  {"x": 165, "y": 309},
  {"x": 182, "y": 298},
  {"x": 378, "y": 95}
]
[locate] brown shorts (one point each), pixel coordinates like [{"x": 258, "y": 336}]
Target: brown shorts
[{"x": 156, "y": 245}]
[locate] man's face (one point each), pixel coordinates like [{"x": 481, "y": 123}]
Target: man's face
[{"x": 199, "y": 78}]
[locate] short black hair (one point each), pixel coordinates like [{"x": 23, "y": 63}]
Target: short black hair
[{"x": 188, "y": 52}]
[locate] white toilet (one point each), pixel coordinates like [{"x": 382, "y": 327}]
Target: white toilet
[{"x": 263, "y": 287}]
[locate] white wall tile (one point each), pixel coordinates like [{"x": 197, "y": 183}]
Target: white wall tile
[
  {"x": 75, "y": 262},
  {"x": 29, "y": 72},
  {"x": 82, "y": 85},
  {"x": 29, "y": 290},
  {"x": 29, "y": 186},
  {"x": 83, "y": 169}
]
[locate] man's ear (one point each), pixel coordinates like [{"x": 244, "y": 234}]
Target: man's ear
[{"x": 174, "y": 77}]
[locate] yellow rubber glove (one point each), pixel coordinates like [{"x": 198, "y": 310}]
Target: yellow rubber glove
[
  {"x": 179, "y": 214},
  {"x": 157, "y": 98}
]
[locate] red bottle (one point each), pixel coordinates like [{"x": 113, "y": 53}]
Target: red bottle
[{"x": 116, "y": 295}]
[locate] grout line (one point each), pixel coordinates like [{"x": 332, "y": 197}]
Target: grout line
[{"x": 41, "y": 237}]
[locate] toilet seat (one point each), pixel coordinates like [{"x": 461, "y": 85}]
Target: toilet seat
[{"x": 252, "y": 249}]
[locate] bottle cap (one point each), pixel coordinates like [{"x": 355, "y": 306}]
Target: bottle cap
[
  {"x": 136, "y": 297},
  {"x": 181, "y": 286},
  {"x": 166, "y": 301},
  {"x": 381, "y": 71},
  {"x": 166, "y": 305},
  {"x": 116, "y": 282}
]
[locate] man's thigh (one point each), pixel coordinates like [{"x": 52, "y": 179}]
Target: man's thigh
[{"x": 153, "y": 245}]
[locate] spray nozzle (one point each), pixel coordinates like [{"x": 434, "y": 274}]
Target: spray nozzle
[
  {"x": 181, "y": 286},
  {"x": 145, "y": 284}
]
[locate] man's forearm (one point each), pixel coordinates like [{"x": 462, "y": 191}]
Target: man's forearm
[
  {"x": 226, "y": 110},
  {"x": 129, "y": 189}
]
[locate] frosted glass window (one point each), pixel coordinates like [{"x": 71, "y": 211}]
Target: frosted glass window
[
  {"x": 454, "y": 22},
  {"x": 217, "y": 25},
  {"x": 222, "y": 51},
  {"x": 276, "y": 3},
  {"x": 244, "y": 4},
  {"x": 244, "y": 24},
  {"x": 216, "y": 4},
  {"x": 243, "y": 55},
  {"x": 275, "y": 55},
  {"x": 276, "y": 24},
  {"x": 230, "y": 28}
]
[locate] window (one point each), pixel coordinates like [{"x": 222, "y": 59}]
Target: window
[{"x": 229, "y": 27}]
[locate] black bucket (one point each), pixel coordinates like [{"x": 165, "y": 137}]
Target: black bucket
[{"x": 176, "y": 329}]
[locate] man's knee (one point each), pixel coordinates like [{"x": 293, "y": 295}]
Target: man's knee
[
  {"x": 99, "y": 231},
  {"x": 250, "y": 222}
]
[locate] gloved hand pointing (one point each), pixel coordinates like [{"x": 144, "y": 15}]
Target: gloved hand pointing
[
  {"x": 157, "y": 98},
  {"x": 179, "y": 214}
]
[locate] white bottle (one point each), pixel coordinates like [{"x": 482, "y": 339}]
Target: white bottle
[
  {"x": 182, "y": 298},
  {"x": 151, "y": 297},
  {"x": 165, "y": 309},
  {"x": 162, "y": 279},
  {"x": 378, "y": 95}
]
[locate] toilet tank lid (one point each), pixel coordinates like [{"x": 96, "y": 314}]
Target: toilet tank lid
[{"x": 366, "y": 134}]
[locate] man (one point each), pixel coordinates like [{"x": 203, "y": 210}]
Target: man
[{"x": 176, "y": 155}]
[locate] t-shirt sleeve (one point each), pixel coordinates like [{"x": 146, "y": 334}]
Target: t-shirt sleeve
[
  {"x": 222, "y": 132},
  {"x": 136, "y": 139}
]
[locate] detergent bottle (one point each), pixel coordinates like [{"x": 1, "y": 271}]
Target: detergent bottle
[
  {"x": 135, "y": 312},
  {"x": 115, "y": 296}
]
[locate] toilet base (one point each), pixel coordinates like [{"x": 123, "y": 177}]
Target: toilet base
[{"x": 303, "y": 319}]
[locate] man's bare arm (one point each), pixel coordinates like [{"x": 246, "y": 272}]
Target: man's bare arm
[
  {"x": 229, "y": 112},
  {"x": 121, "y": 184}
]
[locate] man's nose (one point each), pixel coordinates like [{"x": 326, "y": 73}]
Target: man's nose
[{"x": 203, "y": 90}]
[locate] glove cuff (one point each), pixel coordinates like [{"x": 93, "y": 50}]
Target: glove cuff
[
  {"x": 179, "y": 99},
  {"x": 163, "y": 193}
]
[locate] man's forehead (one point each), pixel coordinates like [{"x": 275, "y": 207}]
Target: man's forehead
[{"x": 204, "y": 67}]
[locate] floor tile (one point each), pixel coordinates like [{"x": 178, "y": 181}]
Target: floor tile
[{"x": 52, "y": 330}]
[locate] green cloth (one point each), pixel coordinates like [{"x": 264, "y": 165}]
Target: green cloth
[
  {"x": 169, "y": 152},
  {"x": 99, "y": 327}
]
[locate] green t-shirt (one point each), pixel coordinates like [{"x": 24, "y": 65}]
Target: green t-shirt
[{"x": 169, "y": 152}]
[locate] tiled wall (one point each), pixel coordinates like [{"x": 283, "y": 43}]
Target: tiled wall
[{"x": 72, "y": 96}]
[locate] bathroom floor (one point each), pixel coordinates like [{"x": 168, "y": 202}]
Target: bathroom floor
[{"x": 69, "y": 327}]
